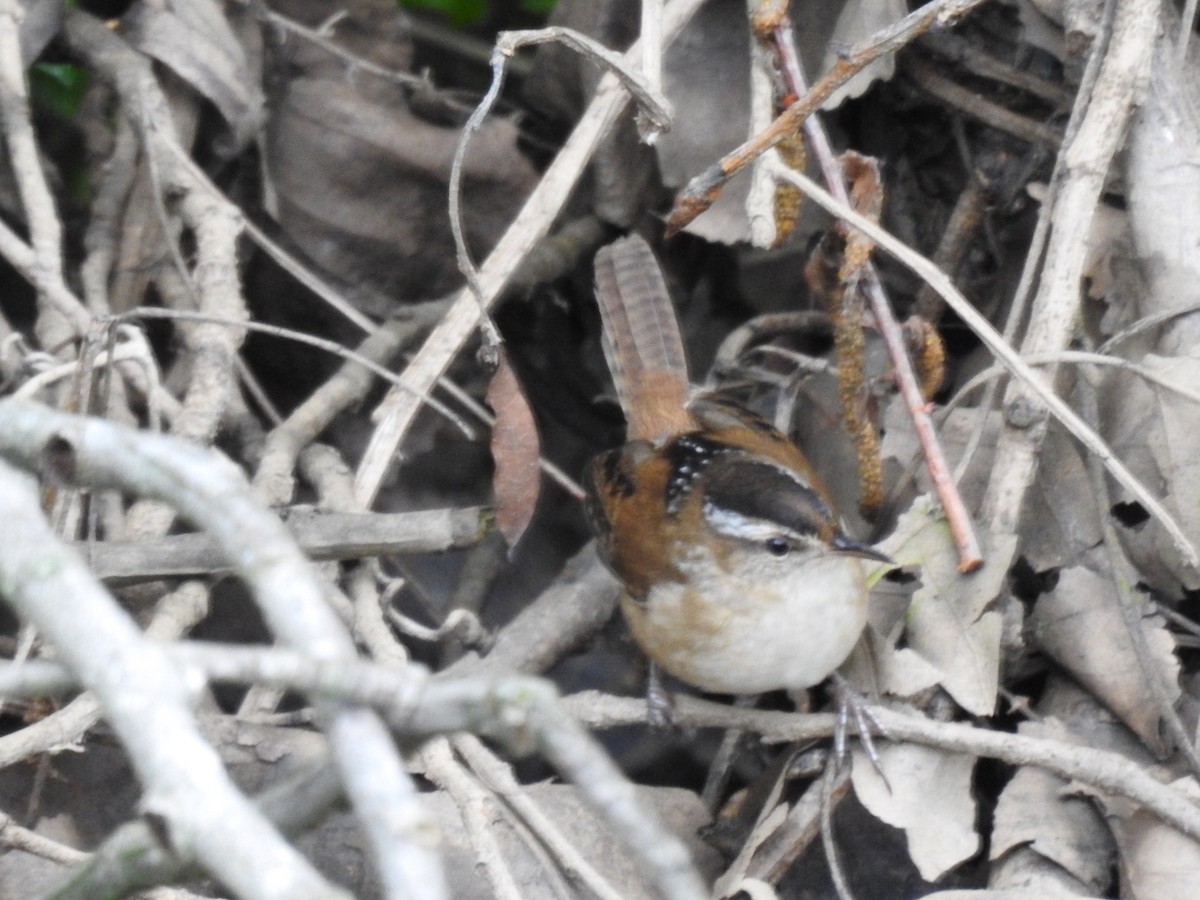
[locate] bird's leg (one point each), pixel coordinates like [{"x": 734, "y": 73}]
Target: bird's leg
[
  {"x": 853, "y": 706},
  {"x": 660, "y": 702}
]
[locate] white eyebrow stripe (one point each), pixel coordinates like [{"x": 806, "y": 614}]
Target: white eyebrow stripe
[{"x": 747, "y": 528}]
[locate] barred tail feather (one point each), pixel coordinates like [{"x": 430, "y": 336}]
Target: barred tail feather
[{"x": 641, "y": 340}]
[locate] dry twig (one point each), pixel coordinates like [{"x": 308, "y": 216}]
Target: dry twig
[
  {"x": 1102, "y": 769},
  {"x": 397, "y": 411},
  {"x": 1008, "y": 357},
  {"x": 970, "y": 556},
  {"x": 702, "y": 191}
]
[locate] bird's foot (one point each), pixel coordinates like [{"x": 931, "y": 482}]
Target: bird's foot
[
  {"x": 852, "y": 707},
  {"x": 660, "y": 702}
]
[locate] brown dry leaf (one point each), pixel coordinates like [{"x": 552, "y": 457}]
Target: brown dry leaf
[
  {"x": 195, "y": 40},
  {"x": 1177, "y": 455},
  {"x": 360, "y": 178},
  {"x": 1084, "y": 603},
  {"x": 1088, "y": 723},
  {"x": 1108, "y": 239},
  {"x": 930, "y": 799},
  {"x": 1163, "y": 203},
  {"x": 1164, "y": 192},
  {"x": 949, "y": 623},
  {"x": 1156, "y": 860},
  {"x": 516, "y": 450},
  {"x": 706, "y": 78},
  {"x": 1031, "y": 875},
  {"x": 562, "y": 81},
  {"x": 901, "y": 672},
  {"x": 362, "y": 187}
]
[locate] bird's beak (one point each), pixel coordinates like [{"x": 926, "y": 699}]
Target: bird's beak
[{"x": 851, "y": 547}]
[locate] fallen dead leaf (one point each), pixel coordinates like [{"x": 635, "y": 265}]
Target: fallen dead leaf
[
  {"x": 949, "y": 623},
  {"x": 196, "y": 41},
  {"x": 1084, "y": 603},
  {"x": 1158, "y": 861},
  {"x": 930, "y": 800},
  {"x": 859, "y": 20},
  {"x": 516, "y": 450},
  {"x": 1036, "y": 813}
]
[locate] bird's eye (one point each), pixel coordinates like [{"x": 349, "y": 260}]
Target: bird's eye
[{"x": 777, "y": 546}]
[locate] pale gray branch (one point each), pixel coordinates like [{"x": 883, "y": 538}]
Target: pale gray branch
[{"x": 148, "y": 704}]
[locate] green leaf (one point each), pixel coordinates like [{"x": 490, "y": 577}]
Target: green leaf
[
  {"x": 58, "y": 87},
  {"x": 458, "y": 12}
]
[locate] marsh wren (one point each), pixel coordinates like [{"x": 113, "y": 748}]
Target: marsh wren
[{"x": 738, "y": 575}]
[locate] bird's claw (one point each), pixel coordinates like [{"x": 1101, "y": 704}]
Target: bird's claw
[{"x": 853, "y": 706}]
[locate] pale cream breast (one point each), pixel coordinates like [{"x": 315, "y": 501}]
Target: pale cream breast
[{"x": 775, "y": 623}]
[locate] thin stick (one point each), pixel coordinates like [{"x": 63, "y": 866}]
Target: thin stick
[
  {"x": 498, "y": 776},
  {"x": 961, "y": 51},
  {"x": 1185, "y": 33},
  {"x": 491, "y": 334},
  {"x": 17, "y": 837},
  {"x": 972, "y": 104},
  {"x": 1103, "y": 115},
  {"x": 477, "y": 808},
  {"x": 293, "y": 266},
  {"x": 970, "y": 555},
  {"x": 840, "y": 883},
  {"x": 1124, "y": 586},
  {"x": 656, "y": 114},
  {"x": 1038, "y": 388},
  {"x": 1075, "y": 357},
  {"x": 703, "y": 190},
  {"x": 300, "y": 337},
  {"x": 652, "y": 69},
  {"x": 45, "y": 228},
  {"x": 398, "y": 410},
  {"x": 1018, "y": 309},
  {"x": 1106, "y": 770}
]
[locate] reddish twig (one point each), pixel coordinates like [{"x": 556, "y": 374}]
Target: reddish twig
[{"x": 970, "y": 556}]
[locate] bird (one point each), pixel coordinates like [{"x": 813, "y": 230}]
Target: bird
[{"x": 739, "y": 576}]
